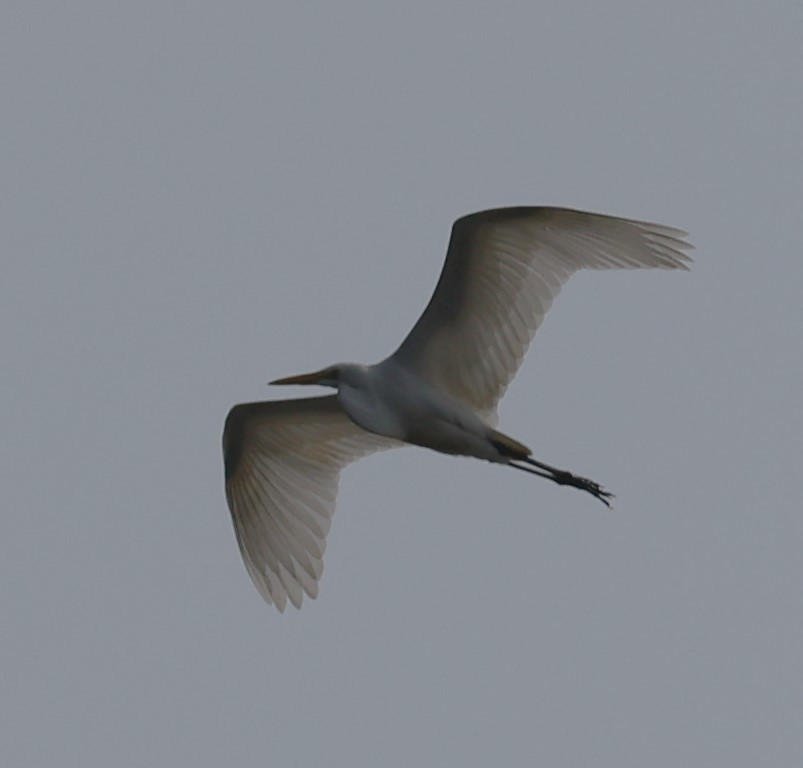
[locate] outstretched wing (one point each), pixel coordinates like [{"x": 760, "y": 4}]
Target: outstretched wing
[
  {"x": 283, "y": 461},
  {"x": 503, "y": 269}
]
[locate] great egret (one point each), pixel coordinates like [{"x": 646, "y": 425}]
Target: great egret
[{"x": 439, "y": 389}]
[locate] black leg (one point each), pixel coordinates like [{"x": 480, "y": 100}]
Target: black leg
[{"x": 562, "y": 477}]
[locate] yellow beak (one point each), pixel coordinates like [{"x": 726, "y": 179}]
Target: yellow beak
[{"x": 301, "y": 378}]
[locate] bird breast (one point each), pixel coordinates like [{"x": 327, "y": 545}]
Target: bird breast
[{"x": 401, "y": 405}]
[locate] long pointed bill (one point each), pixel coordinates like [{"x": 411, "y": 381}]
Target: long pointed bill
[{"x": 302, "y": 378}]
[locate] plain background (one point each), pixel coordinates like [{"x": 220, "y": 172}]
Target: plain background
[{"x": 200, "y": 197}]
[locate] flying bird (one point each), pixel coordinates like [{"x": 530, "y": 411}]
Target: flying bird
[{"x": 439, "y": 389}]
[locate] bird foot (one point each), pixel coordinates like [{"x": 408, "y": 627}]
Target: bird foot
[{"x": 562, "y": 477}]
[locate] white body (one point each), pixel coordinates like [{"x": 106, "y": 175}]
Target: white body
[{"x": 391, "y": 400}]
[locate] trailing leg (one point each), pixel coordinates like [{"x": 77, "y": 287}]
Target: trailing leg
[
  {"x": 561, "y": 477},
  {"x": 518, "y": 455}
]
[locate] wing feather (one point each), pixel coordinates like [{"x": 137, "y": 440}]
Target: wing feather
[
  {"x": 503, "y": 269},
  {"x": 283, "y": 462}
]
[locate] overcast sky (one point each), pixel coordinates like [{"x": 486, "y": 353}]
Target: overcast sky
[{"x": 200, "y": 197}]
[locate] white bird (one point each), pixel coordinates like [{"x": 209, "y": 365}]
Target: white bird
[{"x": 439, "y": 389}]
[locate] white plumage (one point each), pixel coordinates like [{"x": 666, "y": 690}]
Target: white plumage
[
  {"x": 283, "y": 461},
  {"x": 440, "y": 389}
]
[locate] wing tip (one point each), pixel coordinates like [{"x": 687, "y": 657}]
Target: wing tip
[{"x": 278, "y": 592}]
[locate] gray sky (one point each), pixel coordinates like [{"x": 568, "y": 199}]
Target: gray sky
[{"x": 199, "y": 197}]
